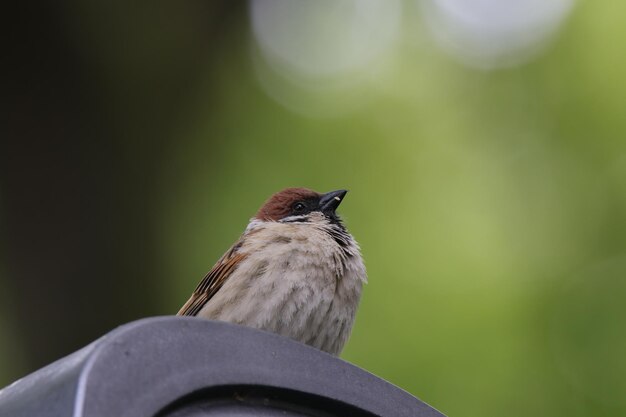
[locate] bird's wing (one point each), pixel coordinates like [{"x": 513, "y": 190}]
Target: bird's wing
[{"x": 213, "y": 281}]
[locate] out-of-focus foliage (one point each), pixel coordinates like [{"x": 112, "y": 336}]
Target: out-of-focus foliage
[{"x": 490, "y": 205}]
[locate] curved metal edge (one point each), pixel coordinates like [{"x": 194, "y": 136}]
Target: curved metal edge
[
  {"x": 145, "y": 365},
  {"x": 141, "y": 367},
  {"x": 49, "y": 391}
]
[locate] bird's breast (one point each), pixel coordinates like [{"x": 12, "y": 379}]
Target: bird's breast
[{"x": 293, "y": 281}]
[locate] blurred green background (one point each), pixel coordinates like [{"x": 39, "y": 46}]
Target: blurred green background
[{"x": 486, "y": 166}]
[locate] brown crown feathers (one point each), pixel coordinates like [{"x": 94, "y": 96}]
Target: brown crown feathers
[{"x": 280, "y": 204}]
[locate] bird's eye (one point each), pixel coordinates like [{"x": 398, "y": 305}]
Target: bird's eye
[{"x": 299, "y": 207}]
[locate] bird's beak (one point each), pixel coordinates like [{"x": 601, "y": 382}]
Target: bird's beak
[{"x": 330, "y": 201}]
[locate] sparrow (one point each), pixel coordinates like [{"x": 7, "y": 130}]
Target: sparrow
[{"x": 295, "y": 271}]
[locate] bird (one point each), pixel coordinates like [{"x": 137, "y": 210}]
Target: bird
[{"x": 295, "y": 271}]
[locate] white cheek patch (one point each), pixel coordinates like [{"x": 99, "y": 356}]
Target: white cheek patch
[{"x": 294, "y": 219}]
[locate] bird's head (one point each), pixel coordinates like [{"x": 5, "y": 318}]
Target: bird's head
[{"x": 301, "y": 205}]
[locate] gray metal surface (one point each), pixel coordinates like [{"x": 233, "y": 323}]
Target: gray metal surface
[{"x": 185, "y": 366}]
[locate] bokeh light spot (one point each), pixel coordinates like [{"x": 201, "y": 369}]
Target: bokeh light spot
[
  {"x": 307, "y": 54},
  {"x": 494, "y": 33}
]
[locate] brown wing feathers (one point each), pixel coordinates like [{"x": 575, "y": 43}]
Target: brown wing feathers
[{"x": 211, "y": 283}]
